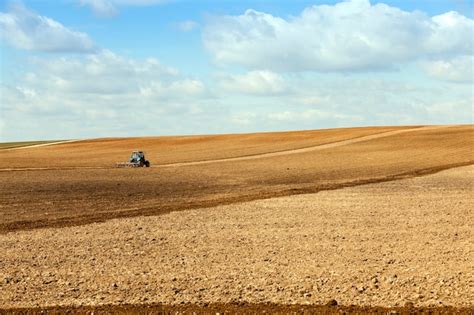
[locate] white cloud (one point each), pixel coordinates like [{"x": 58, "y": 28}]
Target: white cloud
[
  {"x": 459, "y": 69},
  {"x": 258, "y": 82},
  {"x": 187, "y": 26},
  {"x": 24, "y": 29},
  {"x": 110, "y": 95},
  {"x": 103, "y": 93},
  {"x": 320, "y": 100},
  {"x": 348, "y": 36},
  {"x": 110, "y": 8},
  {"x": 107, "y": 73}
]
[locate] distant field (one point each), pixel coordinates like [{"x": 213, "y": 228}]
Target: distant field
[
  {"x": 175, "y": 149},
  {"x": 9, "y": 145}
]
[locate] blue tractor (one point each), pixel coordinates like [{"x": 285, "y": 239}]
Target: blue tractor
[{"x": 137, "y": 159}]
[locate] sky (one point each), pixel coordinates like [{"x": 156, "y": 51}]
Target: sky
[{"x": 74, "y": 69}]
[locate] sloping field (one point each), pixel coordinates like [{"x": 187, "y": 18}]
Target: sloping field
[
  {"x": 165, "y": 150},
  {"x": 68, "y": 193},
  {"x": 398, "y": 243}
]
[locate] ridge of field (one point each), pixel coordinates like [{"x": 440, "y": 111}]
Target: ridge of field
[
  {"x": 392, "y": 244},
  {"x": 175, "y": 149},
  {"x": 59, "y": 197}
]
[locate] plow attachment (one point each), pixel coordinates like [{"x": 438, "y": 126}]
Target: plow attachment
[{"x": 127, "y": 164}]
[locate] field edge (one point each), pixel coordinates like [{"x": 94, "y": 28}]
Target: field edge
[{"x": 237, "y": 308}]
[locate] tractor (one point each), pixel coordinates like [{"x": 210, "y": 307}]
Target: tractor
[{"x": 137, "y": 159}]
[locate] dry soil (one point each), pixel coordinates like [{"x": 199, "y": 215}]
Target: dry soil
[
  {"x": 387, "y": 244},
  {"x": 277, "y": 222}
]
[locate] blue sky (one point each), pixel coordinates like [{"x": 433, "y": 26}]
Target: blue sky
[{"x": 103, "y": 68}]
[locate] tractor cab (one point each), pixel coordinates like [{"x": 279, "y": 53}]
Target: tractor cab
[{"x": 137, "y": 157}]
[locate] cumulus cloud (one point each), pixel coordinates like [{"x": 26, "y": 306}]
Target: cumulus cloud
[
  {"x": 110, "y": 8},
  {"x": 329, "y": 100},
  {"x": 101, "y": 73},
  {"x": 459, "y": 69},
  {"x": 24, "y": 29},
  {"x": 109, "y": 74},
  {"x": 258, "y": 82},
  {"x": 348, "y": 36},
  {"x": 102, "y": 92}
]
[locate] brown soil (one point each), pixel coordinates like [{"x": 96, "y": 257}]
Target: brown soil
[
  {"x": 393, "y": 244},
  {"x": 65, "y": 197},
  {"x": 414, "y": 236}
]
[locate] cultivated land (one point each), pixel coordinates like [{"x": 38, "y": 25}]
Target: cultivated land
[
  {"x": 384, "y": 244},
  {"x": 380, "y": 244}
]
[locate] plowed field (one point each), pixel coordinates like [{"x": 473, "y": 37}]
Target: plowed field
[
  {"x": 385, "y": 244},
  {"x": 76, "y": 182}
]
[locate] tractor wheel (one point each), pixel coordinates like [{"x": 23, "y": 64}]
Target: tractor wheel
[{"x": 147, "y": 163}]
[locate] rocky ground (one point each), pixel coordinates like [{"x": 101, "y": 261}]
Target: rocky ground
[{"x": 386, "y": 244}]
